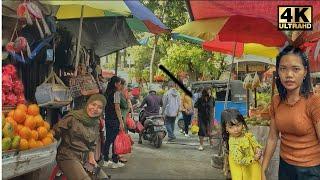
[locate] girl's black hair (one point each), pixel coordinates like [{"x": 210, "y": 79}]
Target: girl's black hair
[
  {"x": 232, "y": 117},
  {"x": 306, "y": 84},
  {"x": 111, "y": 88}
]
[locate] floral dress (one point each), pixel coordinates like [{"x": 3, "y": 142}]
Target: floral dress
[{"x": 242, "y": 164}]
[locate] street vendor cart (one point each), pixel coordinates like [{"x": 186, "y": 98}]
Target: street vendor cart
[{"x": 16, "y": 163}]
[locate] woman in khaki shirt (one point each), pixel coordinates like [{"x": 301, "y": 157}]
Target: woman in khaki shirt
[
  {"x": 295, "y": 119},
  {"x": 79, "y": 131}
]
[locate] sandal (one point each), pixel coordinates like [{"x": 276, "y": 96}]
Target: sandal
[{"x": 123, "y": 160}]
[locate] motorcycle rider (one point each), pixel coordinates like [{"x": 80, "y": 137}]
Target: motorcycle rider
[{"x": 153, "y": 102}]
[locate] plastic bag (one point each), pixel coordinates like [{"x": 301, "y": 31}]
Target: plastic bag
[
  {"x": 122, "y": 143},
  {"x": 194, "y": 129},
  {"x": 139, "y": 127},
  {"x": 194, "y": 126},
  {"x": 255, "y": 81},
  {"x": 247, "y": 83},
  {"x": 131, "y": 140},
  {"x": 215, "y": 127},
  {"x": 130, "y": 122}
]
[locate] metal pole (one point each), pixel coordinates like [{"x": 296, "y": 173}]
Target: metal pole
[
  {"x": 116, "y": 64},
  {"x": 228, "y": 85},
  {"x": 79, "y": 40},
  {"x": 248, "y": 94}
]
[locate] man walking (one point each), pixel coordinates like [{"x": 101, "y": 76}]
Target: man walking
[{"x": 171, "y": 107}]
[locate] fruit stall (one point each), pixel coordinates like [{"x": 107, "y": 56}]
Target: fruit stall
[{"x": 27, "y": 140}]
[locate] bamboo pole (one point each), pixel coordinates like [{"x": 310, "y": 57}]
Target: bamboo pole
[
  {"x": 228, "y": 84},
  {"x": 79, "y": 40}
]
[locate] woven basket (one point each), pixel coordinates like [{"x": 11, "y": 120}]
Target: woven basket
[
  {"x": 53, "y": 93},
  {"x": 83, "y": 85}
]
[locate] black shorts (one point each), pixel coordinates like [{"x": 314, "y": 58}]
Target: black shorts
[{"x": 292, "y": 172}]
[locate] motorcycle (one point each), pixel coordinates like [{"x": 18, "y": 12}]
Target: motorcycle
[{"x": 154, "y": 129}]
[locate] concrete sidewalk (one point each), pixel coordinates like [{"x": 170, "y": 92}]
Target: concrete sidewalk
[{"x": 180, "y": 159}]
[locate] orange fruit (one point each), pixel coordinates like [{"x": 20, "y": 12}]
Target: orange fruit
[
  {"x": 39, "y": 143},
  {"x": 17, "y": 130},
  {"x": 19, "y": 116},
  {"x": 10, "y": 114},
  {"x": 46, "y": 125},
  {"x": 24, "y": 144},
  {"x": 50, "y": 135},
  {"x": 34, "y": 135},
  {"x": 46, "y": 141},
  {"x": 33, "y": 109},
  {"x": 39, "y": 120},
  {"x": 25, "y": 133},
  {"x": 42, "y": 131},
  {"x": 22, "y": 107},
  {"x": 30, "y": 122},
  {"x": 32, "y": 143},
  {"x": 13, "y": 122}
]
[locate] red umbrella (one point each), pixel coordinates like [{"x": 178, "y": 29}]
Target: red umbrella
[
  {"x": 236, "y": 28},
  {"x": 204, "y": 9}
]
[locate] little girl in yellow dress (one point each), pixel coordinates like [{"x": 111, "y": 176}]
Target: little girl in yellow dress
[{"x": 244, "y": 150}]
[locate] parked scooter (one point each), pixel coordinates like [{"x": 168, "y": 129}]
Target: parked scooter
[{"x": 154, "y": 129}]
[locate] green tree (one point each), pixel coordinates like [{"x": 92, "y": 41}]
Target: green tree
[
  {"x": 184, "y": 57},
  {"x": 175, "y": 55}
]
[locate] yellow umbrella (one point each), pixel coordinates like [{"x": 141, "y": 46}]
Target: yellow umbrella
[
  {"x": 72, "y": 9},
  {"x": 204, "y": 29},
  {"x": 260, "y": 50}
]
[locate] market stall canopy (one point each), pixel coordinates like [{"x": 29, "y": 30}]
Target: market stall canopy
[
  {"x": 103, "y": 40},
  {"x": 138, "y": 16},
  {"x": 250, "y": 59},
  {"x": 204, "y": 9},
  {"x": 235, "y": 29}
]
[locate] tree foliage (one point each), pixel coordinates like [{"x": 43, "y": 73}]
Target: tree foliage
[
  {"x": 183, "y": 57},
  {"x": 177, "y": 56}
]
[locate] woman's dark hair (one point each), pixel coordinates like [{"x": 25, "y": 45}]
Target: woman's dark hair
[
  {"x": 111, "y": 88},
  {"x": 205, "y": 93},
  {"x": 306, "y": 84},
  {"x": 231, "y": 117}
]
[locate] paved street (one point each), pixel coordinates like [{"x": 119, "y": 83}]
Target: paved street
[{"x": 178, "y": 160}]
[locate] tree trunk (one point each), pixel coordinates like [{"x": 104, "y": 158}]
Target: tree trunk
[
  {"x": 154, "y": 46},
  {"x": 221, "y": 69},
  {"x": 152, "y": 58}
]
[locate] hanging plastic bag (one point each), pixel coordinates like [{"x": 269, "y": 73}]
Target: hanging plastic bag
[
  {"x": 139, "y": 127},
  {"x": 130, "y": 122},
  {"x": 256, "y": 81},
  {"x": 247, "y": 83},
  {"x": 194, "y": 126},
  {"x": 122, "y": 143},
  {"x": 131, "y": 140}
]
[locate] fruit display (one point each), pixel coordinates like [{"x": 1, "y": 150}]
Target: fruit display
[
  {"x": 12, "y": 87},
  {"x": 257, "y": 121},
  {"x": 24, "y": 128}
]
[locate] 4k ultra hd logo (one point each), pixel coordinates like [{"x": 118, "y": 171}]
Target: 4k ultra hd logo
[{"x": 295, "y": 17}]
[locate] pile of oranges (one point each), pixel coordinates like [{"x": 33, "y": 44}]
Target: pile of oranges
[{"x": 27, "y": 123}]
